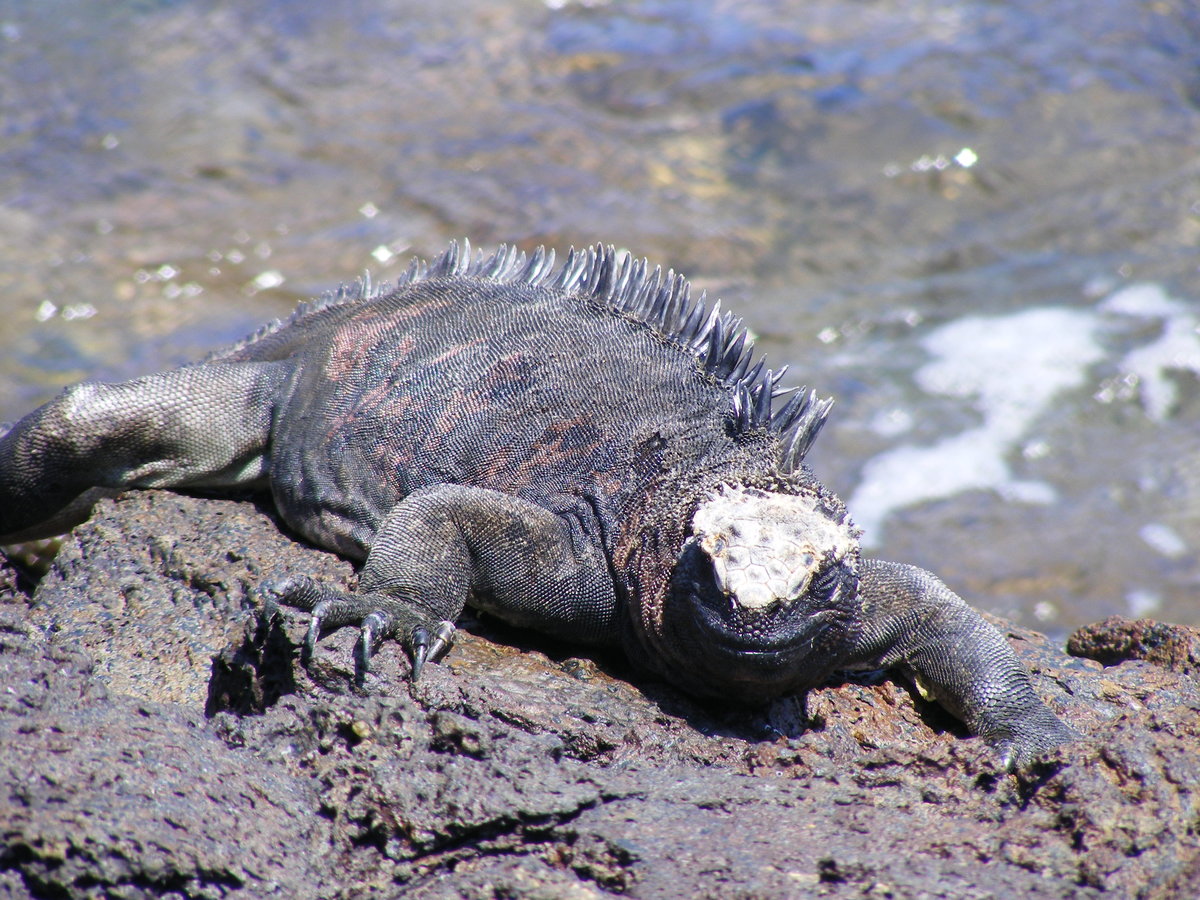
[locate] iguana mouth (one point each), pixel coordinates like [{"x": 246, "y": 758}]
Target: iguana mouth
[
  {"x": 784, "y": 650},
  {"x": 797, "y": 636}
]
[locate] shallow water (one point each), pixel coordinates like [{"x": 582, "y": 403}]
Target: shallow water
[{"x": 975, "y": 225}]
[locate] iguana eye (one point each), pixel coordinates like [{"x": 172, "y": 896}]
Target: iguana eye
[{"x": 826, "y": 584}]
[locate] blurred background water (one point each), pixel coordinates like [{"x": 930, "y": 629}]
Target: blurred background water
[{"x": 975, "y": 224}]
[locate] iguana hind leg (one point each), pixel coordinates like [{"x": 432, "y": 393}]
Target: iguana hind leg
[{"x": 198, "y": 426}]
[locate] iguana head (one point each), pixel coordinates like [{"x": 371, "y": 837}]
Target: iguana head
[{"x": 763, "y": 594}]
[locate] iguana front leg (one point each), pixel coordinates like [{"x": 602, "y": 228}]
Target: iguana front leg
[
  {"x": 443, "y": 545},
  {"x": 915, "y": 623}
]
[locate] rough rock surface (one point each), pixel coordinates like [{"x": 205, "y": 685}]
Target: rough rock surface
[{"x": 160, "y": 739}]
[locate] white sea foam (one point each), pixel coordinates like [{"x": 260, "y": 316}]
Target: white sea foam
[
  {"x": 1165, "y": 539},
  {"x": 1143, "y": 603},
  {"x": 1178, "y": 347},
  {"x": 1011, "y": 368}
]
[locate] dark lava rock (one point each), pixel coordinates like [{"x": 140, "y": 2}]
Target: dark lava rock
[
  {"x": 1116, "y": 639},
  {"x": 160, "y": 739}
]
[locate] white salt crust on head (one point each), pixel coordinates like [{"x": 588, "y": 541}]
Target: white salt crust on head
[{"x": 766, "y": 548}]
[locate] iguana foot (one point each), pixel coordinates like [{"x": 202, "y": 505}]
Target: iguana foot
[
  {"x": 1022, "y": 740},
  {"x": 378, "y": 616}
]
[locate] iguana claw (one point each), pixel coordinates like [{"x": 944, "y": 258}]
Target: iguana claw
[
  {"x": 418, "y": 648},
  {"x": 374, "y": 628},
  {"x": 378, "y": 619},
  {"x": 314, "y": 632},
  {"x": 425, "y": 647},
  {"x": 443, "y": 637}
]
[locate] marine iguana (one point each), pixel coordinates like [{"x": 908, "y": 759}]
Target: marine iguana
[{"x": 584, "y": 450}]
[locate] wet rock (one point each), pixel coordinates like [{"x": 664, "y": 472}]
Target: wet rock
[{"x": 161, "y": 740}]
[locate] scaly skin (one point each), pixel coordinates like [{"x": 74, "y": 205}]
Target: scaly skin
[{"x": 585, "y": 451}]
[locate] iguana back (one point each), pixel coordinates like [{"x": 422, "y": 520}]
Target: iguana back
[{"x": 548, "y": 394}]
